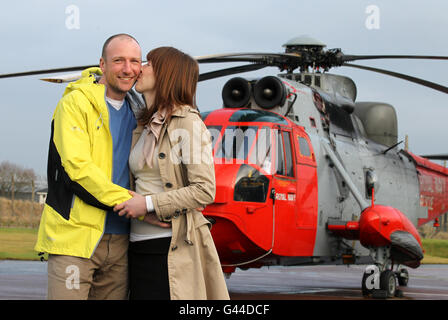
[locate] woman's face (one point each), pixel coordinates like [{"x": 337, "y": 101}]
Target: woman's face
[{"x": 146, "y": 81}]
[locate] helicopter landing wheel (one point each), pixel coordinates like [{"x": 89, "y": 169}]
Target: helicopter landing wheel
[
  {"x": 388, "y": 283},
  {"x": 403, "y": 277}
]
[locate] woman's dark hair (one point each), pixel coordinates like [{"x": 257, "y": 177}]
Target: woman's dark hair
[{"x": 176, "y": 76}]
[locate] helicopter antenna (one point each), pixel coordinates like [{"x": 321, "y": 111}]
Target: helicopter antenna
[{"x": 391, "y": 147}]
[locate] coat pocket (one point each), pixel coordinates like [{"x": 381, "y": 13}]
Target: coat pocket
[{"x": 204, "y": 235}]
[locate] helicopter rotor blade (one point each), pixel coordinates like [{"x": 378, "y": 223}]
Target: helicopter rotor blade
[
  {"x": 436, "y": 156},
  {"x": 422, "y": 82},
  {"x": 230, "y": 71},
  {"x": 63, "y": 78},
  {"x": 45, "y": 71},
  {"x": 250, "y": 57},
  {"x": 346, "y": 58}
]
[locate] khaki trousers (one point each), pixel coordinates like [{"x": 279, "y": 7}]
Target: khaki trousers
[{"x": 103, "y": 276}]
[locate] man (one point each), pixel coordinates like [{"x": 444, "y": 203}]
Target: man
[{"x": 88, "y": 175}]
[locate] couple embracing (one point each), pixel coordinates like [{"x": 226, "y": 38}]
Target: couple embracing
[{"x": 123, "y": 210}]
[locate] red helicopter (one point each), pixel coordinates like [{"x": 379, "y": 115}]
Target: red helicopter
[{"x": 307, "y": 175}]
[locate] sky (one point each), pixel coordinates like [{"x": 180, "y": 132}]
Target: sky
[{"x": 58, "y": 33}]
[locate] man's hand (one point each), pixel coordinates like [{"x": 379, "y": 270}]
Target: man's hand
[{"x": 133, "y": 208}]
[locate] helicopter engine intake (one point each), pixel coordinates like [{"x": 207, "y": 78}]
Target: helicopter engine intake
[
  {"x": 236, "y": 93},
  {"x": 267, "y": 93},
  {"x": 270, "y": 92}
]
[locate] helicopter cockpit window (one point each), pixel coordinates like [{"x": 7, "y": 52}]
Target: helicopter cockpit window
[
  {"x": 249, "y": 115},
  {"x": 261, "y": 153},
  {"x": 236, "y": 142},
  {"x": 204, "y": 115},
  {"x": 215, "y": 131}
]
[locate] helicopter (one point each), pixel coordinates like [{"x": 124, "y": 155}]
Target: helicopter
[{"x": 307, "y": 175}]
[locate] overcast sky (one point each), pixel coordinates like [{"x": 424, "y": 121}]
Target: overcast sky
[{"x": 59, "y": 33}]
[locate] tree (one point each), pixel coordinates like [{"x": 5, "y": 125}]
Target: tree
[{"x": 15, "y": 178}]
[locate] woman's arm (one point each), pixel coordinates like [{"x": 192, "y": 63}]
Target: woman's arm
[
  {"x": 194, "y": 151},
  {"x": 195, "y": 154}
]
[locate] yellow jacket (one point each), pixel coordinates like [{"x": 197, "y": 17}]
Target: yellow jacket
[{"x": 79, "y": 172}]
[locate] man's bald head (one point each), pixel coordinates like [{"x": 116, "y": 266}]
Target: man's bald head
[
  {"x": 123, "y": 36},
  {"x": 121, "y": 64}
]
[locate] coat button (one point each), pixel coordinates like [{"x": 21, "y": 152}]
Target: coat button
[
  {"x": 176, "y": 214},
  {"x": 189, "y": 242},
  {"x": 168, "y": 185},
  {"x": 173, "y": 248},
  {"x": 184, "y": 211},
  {"x": 162, "y": 155}
]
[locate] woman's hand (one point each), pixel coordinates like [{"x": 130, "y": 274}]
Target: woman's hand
[
  {"x": 133, "y": 208},
  {"x": 151, "y": 218}
]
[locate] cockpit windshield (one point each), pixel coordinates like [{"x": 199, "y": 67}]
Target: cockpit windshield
[
  {"x": 243, "y": 144},
  {"x": 250, "y": 115}
]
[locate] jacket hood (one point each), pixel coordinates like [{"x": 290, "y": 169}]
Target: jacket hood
[{"x": 94, "y": 93}]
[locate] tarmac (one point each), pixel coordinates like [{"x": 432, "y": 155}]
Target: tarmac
[{"x": 27, "y": 280}]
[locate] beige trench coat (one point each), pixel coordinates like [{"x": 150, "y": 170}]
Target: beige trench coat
[{"x": 187, "y": 172}]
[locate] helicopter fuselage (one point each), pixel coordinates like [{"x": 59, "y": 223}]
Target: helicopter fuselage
[{"x": 288, "y": 178}]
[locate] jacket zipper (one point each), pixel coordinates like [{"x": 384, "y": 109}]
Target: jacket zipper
[{"x": 112, "y": 171}]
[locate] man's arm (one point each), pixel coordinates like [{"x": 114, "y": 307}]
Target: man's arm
[{"x": 72, "y": 142}]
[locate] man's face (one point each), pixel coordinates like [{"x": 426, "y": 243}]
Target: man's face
[
  {"x": 146, "y": 81},
  {"x": 121, "y": 67}
]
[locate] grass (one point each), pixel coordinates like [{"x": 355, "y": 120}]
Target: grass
[
  {"x": 436, "y": 247},
  {"x": 436, "y": 251},
  {"x": 18, "y": 244},
  {"x": 434, "y": 260}
]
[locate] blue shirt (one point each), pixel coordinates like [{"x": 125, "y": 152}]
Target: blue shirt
[{"x": 122, "y": 122}]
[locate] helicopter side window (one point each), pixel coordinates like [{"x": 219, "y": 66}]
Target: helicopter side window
[
  {"x": 251, "y": 185},
  {"x": 304, "y": 147},
  {"x": 283, "y": 157},
  {"x": 288, "y": 153},
  {"x": 279, "y": 156}
]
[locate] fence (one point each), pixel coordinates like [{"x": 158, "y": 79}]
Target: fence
[{"x": 20, "y": 213}]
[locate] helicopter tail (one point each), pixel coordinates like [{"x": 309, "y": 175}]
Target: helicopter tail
[{"x": 433, "y": 180}]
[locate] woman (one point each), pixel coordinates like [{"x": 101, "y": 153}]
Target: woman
[{"x": 171, "y": 253}]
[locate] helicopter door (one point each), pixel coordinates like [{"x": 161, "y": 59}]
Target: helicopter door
[
  {"x": 284, "y": 184},
  {"x": 307, "y": 191}
]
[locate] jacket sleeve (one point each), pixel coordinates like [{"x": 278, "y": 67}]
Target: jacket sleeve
[
  {"x": 73, "y": 144},
  {"x": 191, "y": 146}
]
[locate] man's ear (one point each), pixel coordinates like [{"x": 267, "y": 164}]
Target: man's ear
[{"x": 102, "y": 64}]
